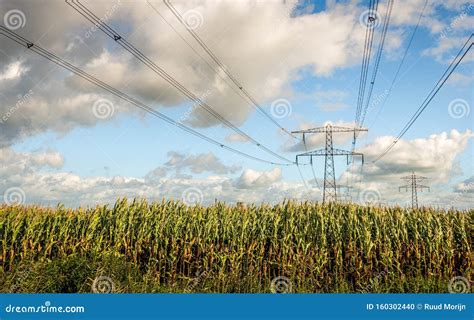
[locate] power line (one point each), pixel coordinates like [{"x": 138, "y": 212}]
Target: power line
[
  {"x": 223, "y": 67},
  {"x": 395, "y": 78},
  {"x": 301, "y": 176},
  {"x": 89, "y": 15},
  {"x": 377, "y": 60},
  {"x": 310, "y": 162},
  {"x": 369, "y": 36},
  {"x": 239, "y": 93},
  {"x": 459, "y": 57},
  {"x": 62, "y": 63}
]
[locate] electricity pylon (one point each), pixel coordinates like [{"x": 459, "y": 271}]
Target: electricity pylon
[
  {"x": 413, "y": 182},
  {"x": 329, "y": 193}
]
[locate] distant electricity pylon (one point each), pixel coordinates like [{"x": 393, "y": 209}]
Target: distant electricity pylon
[
  {"x": 329, "y": 193},
  {"x": 413, "y": 182}
]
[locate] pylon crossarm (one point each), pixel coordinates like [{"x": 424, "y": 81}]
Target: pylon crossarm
[
  {"x": 420, "y": 186},
  {"x": 417, "y": 178},
  {"x": 336, "y": 152},
  {"x": 329, "y": 128}
]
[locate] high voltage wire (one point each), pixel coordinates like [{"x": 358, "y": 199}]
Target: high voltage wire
[
  {"x": 57, "y": 60},
  {"x": 377, "y": 60},
  {"x": 239, "y": 93},
  {"x": 89, "y": 15},
  {"x": 311, "y": 162},
  {"x": 447, "y": 73},
  {"x": 369, "y": 37},
  {"x": 395, "y": 78},
  {"x": 223, "y": 67}
]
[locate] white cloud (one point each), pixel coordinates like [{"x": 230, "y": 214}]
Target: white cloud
[
  {"x": 234, "y": 137},
  {"x": 459, "y": 79},
  {"x": 38, "y": 175},
  {"x": 200, "y": 163},
  {"x": 256, "y": 179},
  {"x": 433, "y": 157},
  {"x": 12, "y": 71},
  {"x": 466, "y": 186},
  {"x": 259, "y": 43}
]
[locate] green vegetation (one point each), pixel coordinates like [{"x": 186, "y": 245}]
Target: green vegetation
[{"x": 170, "y": 247}]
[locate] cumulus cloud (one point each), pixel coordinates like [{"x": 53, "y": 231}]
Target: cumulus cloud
[
  {"x": 234, "y": 137},
  {"x": 260, "y": 43},
  {"x": 200, "y": 163},
  {"x": 467, "y": 186},
  {"x": 12, "y": 71},
  {"x": 459, "y": 79},
  {"x": 256, "y": 179},
  {"x": 39, "y": 176},
  {"x": 433, "y": 157},
  {"x": 17, "y": 163}
]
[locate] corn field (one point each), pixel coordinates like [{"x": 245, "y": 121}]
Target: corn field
[{"x": 171, "y": 247}]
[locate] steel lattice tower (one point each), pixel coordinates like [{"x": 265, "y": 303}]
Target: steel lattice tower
[
  {"x": 329, "y": 173},
  {"x": 329, "y": 193},
  {"x": 413, "y": 182}
]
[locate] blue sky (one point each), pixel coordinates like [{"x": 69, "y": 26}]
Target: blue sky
[{"x": 131, "y": 144}]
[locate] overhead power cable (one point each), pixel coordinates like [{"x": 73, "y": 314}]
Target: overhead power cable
[
  {"x": 310, "y": 163},
  {"x": 89, "y": 15},
  {"x": 456, "y": 61},
  {"x": 395, "y": 78},
  {"x": 378, "y": 56},
  {"x": 213, "y": 68},
  {"x": 62, "y": 63},
  {"x": 369, "y": 37},
  {"x": 208, "y": 50}
]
